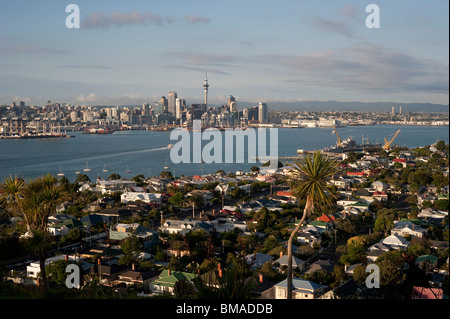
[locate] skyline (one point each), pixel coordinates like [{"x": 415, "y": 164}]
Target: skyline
[{"x": 135, "y": 52}]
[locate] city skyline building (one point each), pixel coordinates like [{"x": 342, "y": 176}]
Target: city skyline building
[
  {"x": 262, "y": 113},
  {"x": 171, "y": 99}
]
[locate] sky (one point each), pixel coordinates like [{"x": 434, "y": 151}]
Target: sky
[{"x": 132, "y": 52}]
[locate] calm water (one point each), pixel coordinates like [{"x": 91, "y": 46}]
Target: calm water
[{"x": 144, "y": 152}]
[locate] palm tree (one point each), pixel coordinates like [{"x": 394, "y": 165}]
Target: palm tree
[
  {"x": 309, "y": 177},
  {"x": 36, "y": 201},
  {"x": 12, "y": 194}
]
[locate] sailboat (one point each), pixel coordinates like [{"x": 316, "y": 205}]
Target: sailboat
[
  {"x": 166, "y": 167},
  {"x": 104, "y": 169},
  {"x": 60, "y": 172},
  {"x": 128, "y": 170},
  {"x": 87, "y": 169}
]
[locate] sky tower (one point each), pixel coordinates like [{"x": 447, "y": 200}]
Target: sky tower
[{"x": 205, "y": 86}]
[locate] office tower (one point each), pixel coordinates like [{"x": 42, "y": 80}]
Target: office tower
[
  {"x": 145, "y": 109},
  {"x": 232, "y": 106},
  {"x": 178, "y": 109},
  {"x": 262, "y": 113},
  {"x": 400, "y": 110},
  {"x": 205, "y": 87},
  {"x": 164, "y": 102},
  {"x": 171, "y": 102},
  {"x": 230, "y": 100},
  {"x": 158, "y": 108},
  {"x": 393, "y": 110}
]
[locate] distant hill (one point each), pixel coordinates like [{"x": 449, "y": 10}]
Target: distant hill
[{"x": 357, "y": 106}]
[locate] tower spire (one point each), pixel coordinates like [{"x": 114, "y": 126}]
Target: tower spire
[{"x": 205, "y": 87}]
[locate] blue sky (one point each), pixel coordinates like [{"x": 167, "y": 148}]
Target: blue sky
[{"x": 131, "y": 52}]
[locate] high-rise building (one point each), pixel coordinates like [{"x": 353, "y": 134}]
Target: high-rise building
[
  {"x": 232, "y": 106},
  {"x": 262, "y": 113},
  {"x": 400, "y": 110},
  {"x": 178, "y": 108},
  {"x": 393, "y": 110},
  {"x": 145, "y": 109},
  {"x": 230, "y": 100},
  {"x": 171, "y": 102}
]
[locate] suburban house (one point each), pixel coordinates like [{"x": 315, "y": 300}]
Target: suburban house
[
  {"x": 167, "y": 279},
  {"x": 182, "y": 227},
  {"x": 64, "y": 228},
  {"x": 111, "y": 186},
  {"x": 405, "y": 228},
  {"x": 141, "y": 196},
  {"x": 296, "y": 262},
  {"x": 380, "y": 196},
  {"x": 34, "y": 268},
  {"x": 147, "y": 237},
  {"x": 302, "y": 289},
  {"x": 134, "y": 277},
  {"x": 320, "y": 265},
  {"x": 396, "y": 242},
  {"x": 257, "y": 260}
]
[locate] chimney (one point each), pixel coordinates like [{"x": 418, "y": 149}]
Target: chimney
[
  {"x": 133, "y": 267},
  {"x": 261, "y": 278},
  {"x": 281, "y": 254},
  {"x": 169, "y": 272},
  {"x": 66, "y": 257},
  {"x": 99, "y": 261},
  {"x": 214, "y": 212}
]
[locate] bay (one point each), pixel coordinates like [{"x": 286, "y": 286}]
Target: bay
[{"x": 129, "y": 153}]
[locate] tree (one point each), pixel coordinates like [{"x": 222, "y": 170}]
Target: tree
[
  {"x": 131, "y": 248},
  {"x": 82, "y": 178},
  {"x": 310, "y": 176},
  {"x": 177, "y": 199},
  {"x": 114, "y": 176},
  {"x": 166, "y": 174},
  {"x": 36, "y": 201}
]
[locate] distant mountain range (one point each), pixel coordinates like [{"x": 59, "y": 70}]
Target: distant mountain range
[{"x": 358, "y": 106}]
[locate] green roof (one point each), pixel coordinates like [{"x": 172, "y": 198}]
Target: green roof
[
  {"x": 430, "y": 258},
  {"x": 169, "y": 280},
  {"x": 318, "y": 223}
]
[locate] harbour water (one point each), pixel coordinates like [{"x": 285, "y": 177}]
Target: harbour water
[{"x": 130, "y": 153}]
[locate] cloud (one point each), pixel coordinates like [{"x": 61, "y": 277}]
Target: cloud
[
  {"x": 99, "y": 67},
  {"x": 119, "y": 19},
  {"x": 209, "y": 70},
  {"x": 31, "y": 50},
  {"x": 332, "y": 26},
  {"x": 364, "y": 67},
  {"x": 207, "y": 58},
  {"x": 193, "y": 19},
  {"x": 91, "y": 98}
]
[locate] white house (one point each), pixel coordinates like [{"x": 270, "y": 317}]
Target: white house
[
  {"x": 405, "y": 228},
  {"x": 185, "y": 226},
  {"x": 302, "y": 289},
  {"x": 396, "y": 242},
  {"x": 34, "y": 268},
  {"x": 141, "y": 196}
]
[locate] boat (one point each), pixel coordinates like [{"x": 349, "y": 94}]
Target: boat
[
  {"x": 77, "y": 172},
  {"x": 60, "y": 172},
  {"x": 128, "y": 170},
  {"x": 104, "y": 169},
  {"x": 87, "y": 169},
  {"x": 166, "y": 167}
]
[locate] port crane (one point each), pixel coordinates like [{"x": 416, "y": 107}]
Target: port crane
[
  {"x": 387, "y": 144},
  {"x": 338, "y": 137}
]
